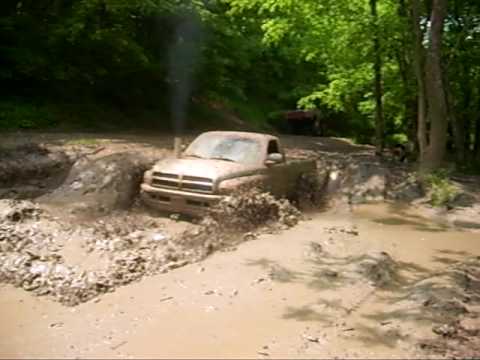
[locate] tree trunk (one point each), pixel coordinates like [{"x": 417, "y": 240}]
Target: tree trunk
[
  {"x": 405, "y": 60},
  {"x": 418, "y": 63},
  {"x": 377, "y": 68},
  {"x": 477, "y": 139},
  {"x": 435, "y": 90},
  {"x": 412, "y": 130},
  {"x": 457, "y": 124},
  {"x": 467, "y": 129},
  {"x": 460, "y": 118},
  {"x": 465, "y": 121}
]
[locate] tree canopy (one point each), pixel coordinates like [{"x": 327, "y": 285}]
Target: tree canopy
[{"x": 382, "y": 71}]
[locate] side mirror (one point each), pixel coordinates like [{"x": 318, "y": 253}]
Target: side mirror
[{"x": 274, "y": 158}]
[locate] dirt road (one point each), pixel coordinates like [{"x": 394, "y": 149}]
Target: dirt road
[{"x": 277, "y": 296}]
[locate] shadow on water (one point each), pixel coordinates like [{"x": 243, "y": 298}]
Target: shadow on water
[
  {"x": 400, "y": 216},
  {"x": 327, "y": 280},
  {"x": 417, "y": 225},
  {"x": 375, "y": 335},
  {"x": 437, "y": 296},
  {"x": 453, "y": 252},
  {"x": 411, "y": 293},
  {"x": 277, "y": 272},
  {"x": 306, "y": 313},
  {"x": 466, "y": 225}
]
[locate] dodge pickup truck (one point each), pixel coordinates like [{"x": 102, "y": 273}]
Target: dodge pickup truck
[{"x": 221, "y": 163}]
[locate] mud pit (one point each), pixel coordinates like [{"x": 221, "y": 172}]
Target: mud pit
[
  {"x": 90, "y": 234},
  {"x": 378, "y": 282},
  {"x": 75, "y": 263},
  {"x": 316, "y": 290}
]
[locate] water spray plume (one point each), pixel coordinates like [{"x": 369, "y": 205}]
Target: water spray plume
[{"x": 183, "y": 58}]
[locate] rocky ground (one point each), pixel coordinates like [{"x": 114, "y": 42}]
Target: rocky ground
[{"x": 73, "y": 232}]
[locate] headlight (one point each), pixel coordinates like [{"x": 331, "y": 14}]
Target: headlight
[{"x": 147, "y": 177}]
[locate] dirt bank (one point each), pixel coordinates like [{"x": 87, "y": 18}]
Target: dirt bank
[{"x": 76, "y": 261}]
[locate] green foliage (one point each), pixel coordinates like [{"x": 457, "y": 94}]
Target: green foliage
[
  {"x": 98, "y": 62},
  {"x": 398, "y": 138},
  {"x": 336, "y": 37},
  {"x": 117, "y": 53},
  {"x": 21, "y": 115},
  {"x": 441, "y": 189}
]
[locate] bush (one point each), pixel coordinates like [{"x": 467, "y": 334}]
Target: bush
[
  {"x": 441, "y": 189},
  {"x": 395, "y": 139},
  {"x": 21, "y": 115}
]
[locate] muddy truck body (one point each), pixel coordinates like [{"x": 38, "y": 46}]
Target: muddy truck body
[{"x": 218, "y": 164}]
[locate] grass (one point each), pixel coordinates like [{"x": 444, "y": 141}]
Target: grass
[
  {"x": 23, "y": 113},
  {"x": 83, "y": 141},
  {"x": 17, "y": 114}
]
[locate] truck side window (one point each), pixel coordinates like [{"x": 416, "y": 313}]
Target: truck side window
[{"x": 273, "y": 147}]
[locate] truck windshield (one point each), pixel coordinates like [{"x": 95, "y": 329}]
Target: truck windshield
[{"x": 237, "y": 149}]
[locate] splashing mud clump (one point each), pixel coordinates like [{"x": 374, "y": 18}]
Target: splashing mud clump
[
  {"x": 34, "y": 256},
  {"x": 16, "y": 211},
  {"x": 115, "y": 250},
  {"x": 239, "y": 215},
  {"x": 253, "y": 208}
]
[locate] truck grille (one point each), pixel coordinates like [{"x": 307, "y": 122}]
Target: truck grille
[{"x": 186, "y": 182}]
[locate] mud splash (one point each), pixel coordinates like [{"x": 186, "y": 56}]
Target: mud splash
[{"x": 33, "y": 243}]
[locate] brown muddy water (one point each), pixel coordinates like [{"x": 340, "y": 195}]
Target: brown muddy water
[
  {"x": 409, "y": 235},
  {"x": 276, "y": 296}
]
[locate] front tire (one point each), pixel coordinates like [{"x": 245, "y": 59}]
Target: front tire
[{"x": 307, "y": 191}]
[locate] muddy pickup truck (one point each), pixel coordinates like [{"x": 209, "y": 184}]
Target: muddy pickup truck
[{"x": 220, "y": 163}]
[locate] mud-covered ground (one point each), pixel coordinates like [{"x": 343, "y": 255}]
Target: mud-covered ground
[{"x": 256, "y": 279}]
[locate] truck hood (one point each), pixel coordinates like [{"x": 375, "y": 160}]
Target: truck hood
[{"x": 206, "y": 168}]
